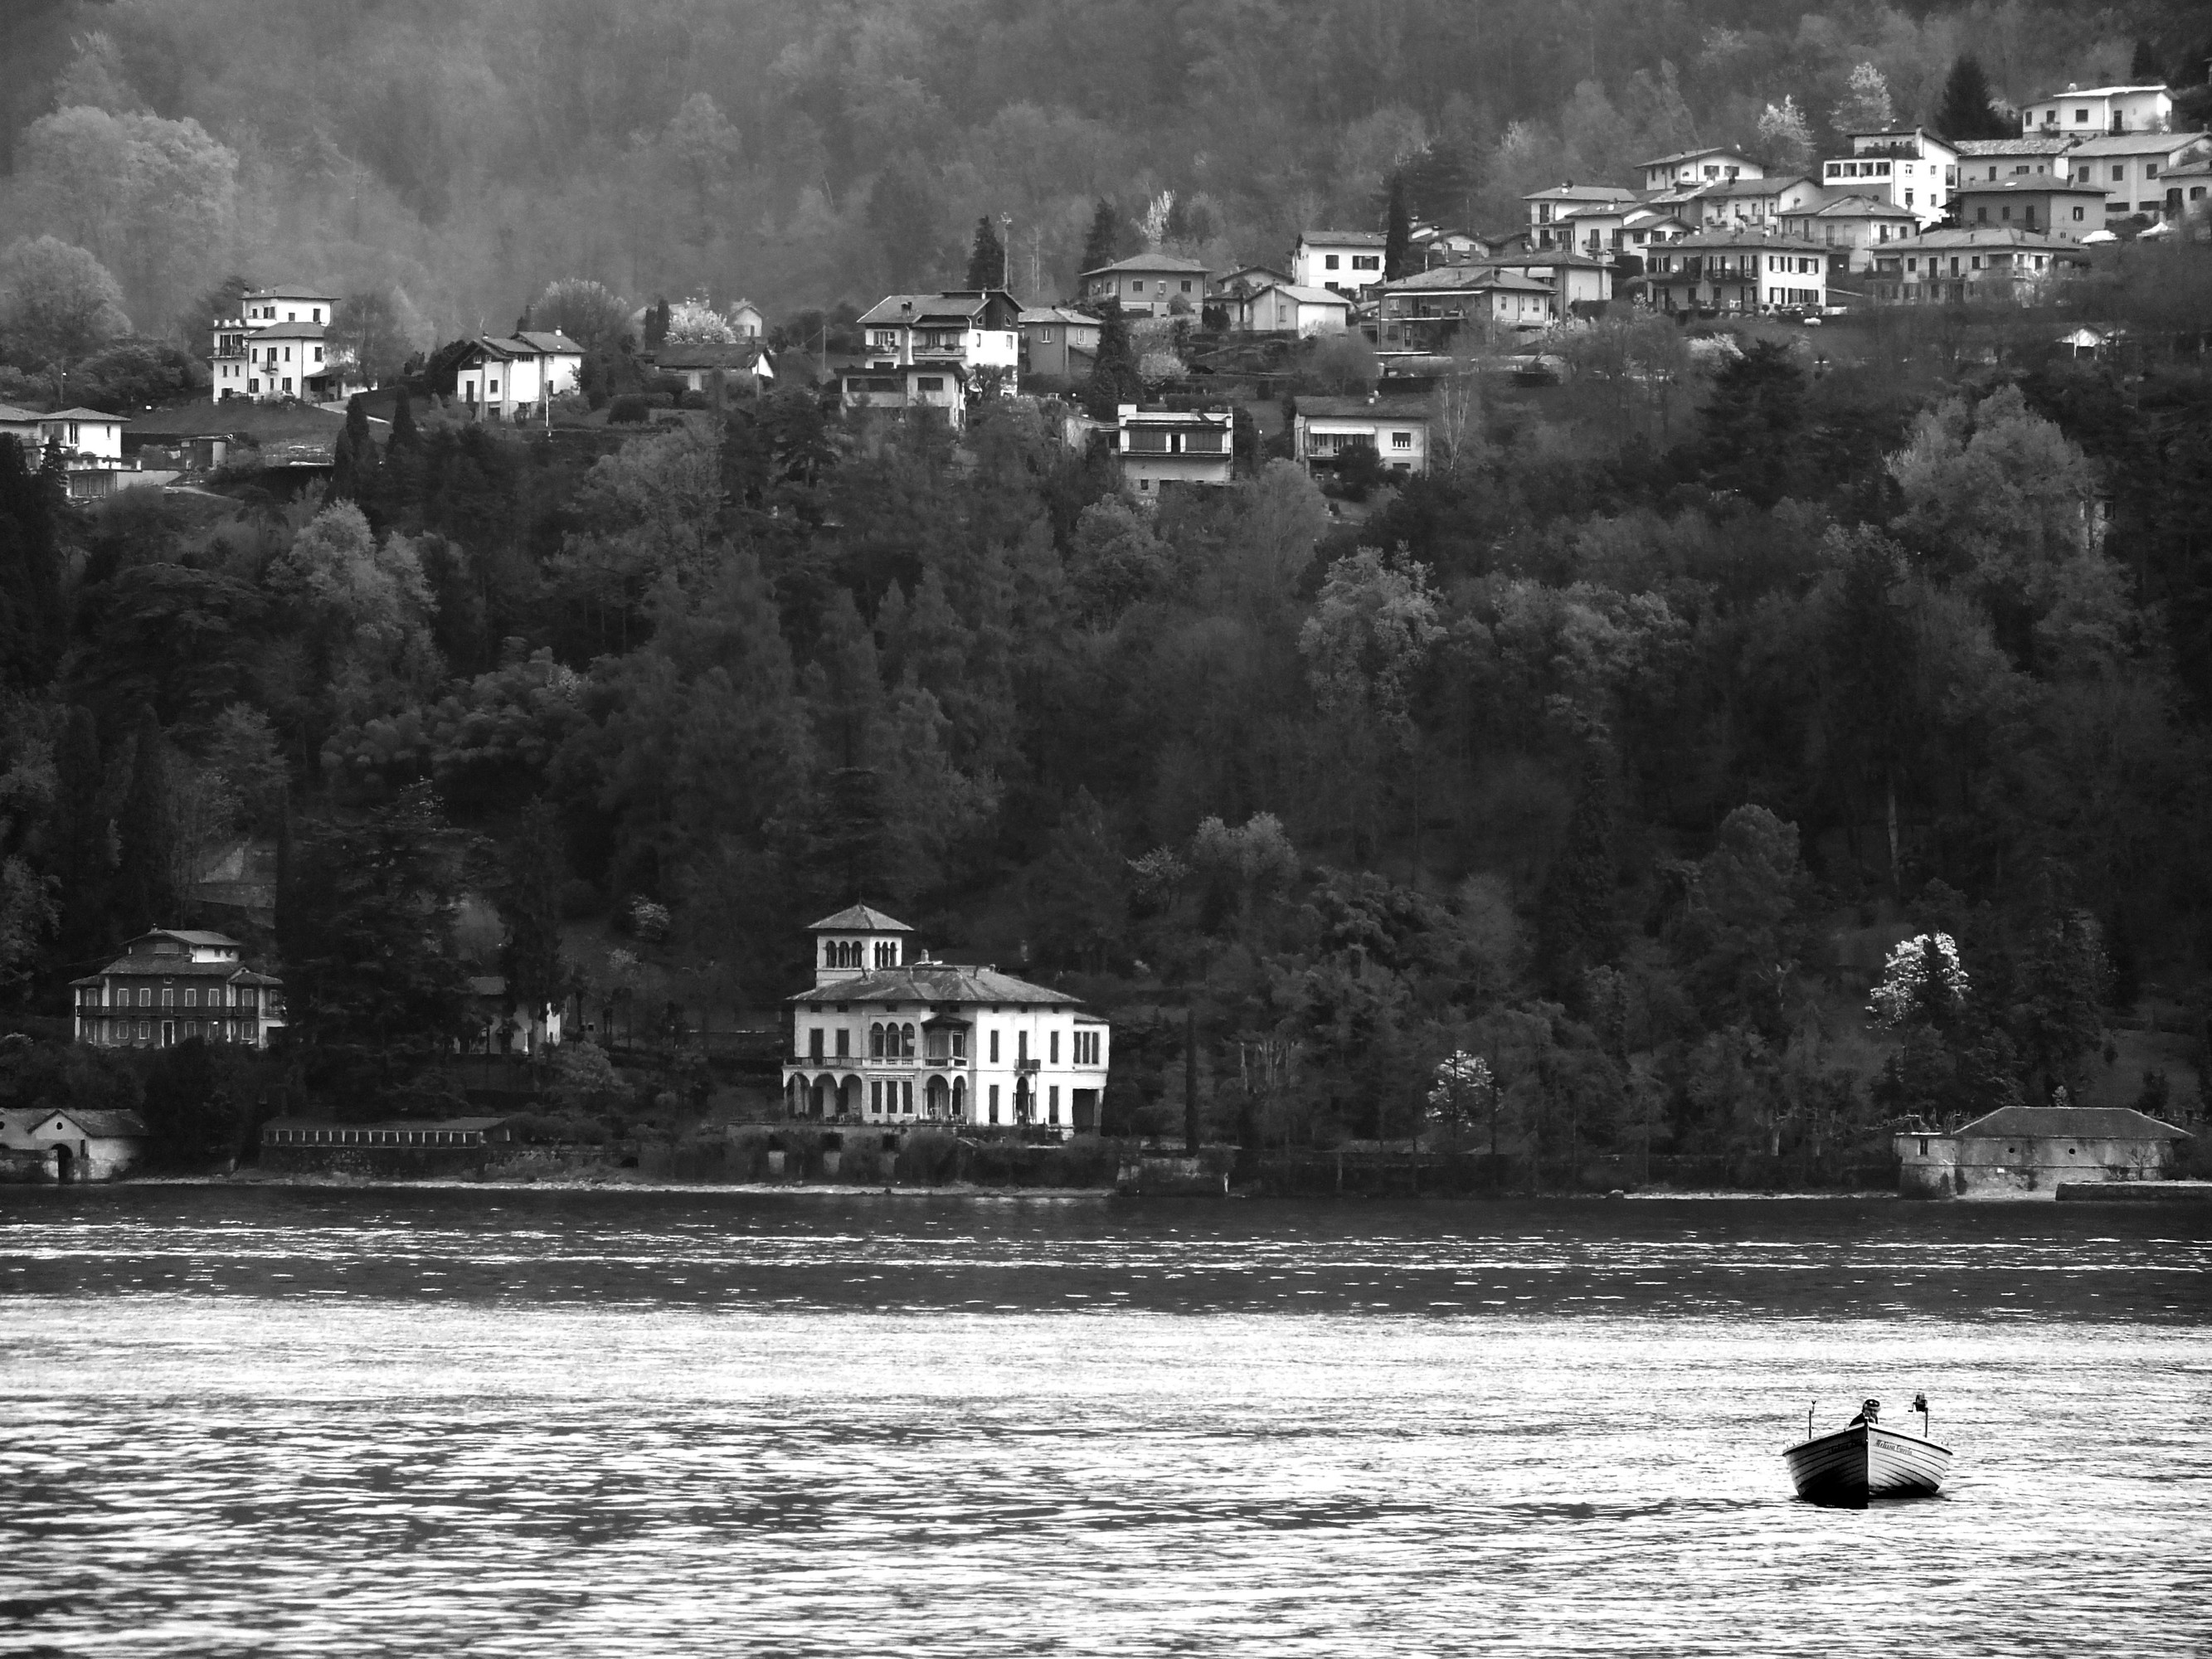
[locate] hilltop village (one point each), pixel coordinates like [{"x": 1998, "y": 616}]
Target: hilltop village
[{"x": 1702, "y": 685}]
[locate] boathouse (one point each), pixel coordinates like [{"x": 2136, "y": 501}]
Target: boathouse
[
  {"x": 2031, "y": 1149},
  {"x": 396, "y": 1149},
  {"x": 883, "y": 1039},
  {"x": 66, "y": 1143}
]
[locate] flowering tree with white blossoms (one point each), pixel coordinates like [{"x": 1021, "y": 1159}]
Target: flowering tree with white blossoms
[
  {"x": 1922, "y": 983},
  {"x": 694, "y": 322},
  {"x": 1463, "y": 1086}
]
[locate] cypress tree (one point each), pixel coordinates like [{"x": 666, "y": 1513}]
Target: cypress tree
[
  {"x": 987, "y": 257},
  {"x": 81, "y": 854},
  {"x": 1575, "y": 927},
  {"x": 1398, "y": 235},
  {"x": 405, "y": 435},
  {"x": 343, "y": 487},
  {"x": 1966, "y": 110},
  {"x": 1113, "y": 378},
  {"x": 1104, "y": 237},
  {"x": 32, "y": 615},
  {"x": 146, "y": 834}
]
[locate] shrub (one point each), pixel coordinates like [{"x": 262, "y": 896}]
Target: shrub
[{"x": 631, "y": 409}]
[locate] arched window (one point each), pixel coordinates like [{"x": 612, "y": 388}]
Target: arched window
[
  {"x": 875, "y": 1042},
  {"x": 829, "y": 953},
  {"x": 906, "y": 1041}
]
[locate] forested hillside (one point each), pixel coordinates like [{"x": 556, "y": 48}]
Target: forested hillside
[{"x": 454, "y": 158}]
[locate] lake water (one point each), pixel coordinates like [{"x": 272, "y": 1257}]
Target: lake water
[{"x": 438, "y": 1422}]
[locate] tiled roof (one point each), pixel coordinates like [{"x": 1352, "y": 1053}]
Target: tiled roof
[
  {"x": 1690, "y": 155},
  {"x": 1860, "y": 207},
  {"x": 1344, "y": 409},
  {"x": 290, "y": 291},
  {"x": 914, "y": 307},
  {"x": 2073, "y": 1123},
  {"x": 1305, "y": 296},
  {"x": 97, "y": 1125},
  {"x": 861, "y": 918},
  {"x": 2134, "y": 143},
  {"x": 1466, "y": 279},
  {"x": 1582, "y": 193},
  {"x": 1346, "y": 238},
  {"x": 86, "y": 415},
  {"x": 1969, "y": 149},
  {"x": 1737, "y": 236},
  {"x": 1729, "y": 188},
  {"x": 553, "y": 343},
  {"x": 933, "y": 982},
  {"x": 289, "y": 332},
  {"x": 2034, "y": 184},
  {"x": 1980, "y": 236},
  {"x": 1143, "y": 262}
]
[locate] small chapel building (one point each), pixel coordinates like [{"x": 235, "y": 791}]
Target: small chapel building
[{"x": 881, "y": 1039}]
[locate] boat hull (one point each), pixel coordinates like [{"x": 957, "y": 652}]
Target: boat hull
[{"x": 1865, "y": 1462}]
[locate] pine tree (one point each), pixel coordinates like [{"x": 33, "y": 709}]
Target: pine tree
[
  {"x": 405, "y": 435},
  {"x": 987, "y": 257},
  {"x": 1398, "y": 235},
  {"x": 32, "y": 613},
  {"x": 146, "y": 834},
  {"x": 1966, "y": 110},
  {"x": 2145, "y": 67},
  {"x": 343, "y": 487},
  {"x": 1100, "y": 245},
  {"x": 656, "y": 324}
]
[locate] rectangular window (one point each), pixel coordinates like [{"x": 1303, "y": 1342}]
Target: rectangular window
[
  {"x": 1052, "y": 1045},
  {"x": 1401, "y": 441},
  {"x": 191, "y": 998},
  {"x": 1328, "y": 261},
  {"x": 995, "y": 1102},
  {"x": 1052, "y": 1103},
  {"x": 994, "y": 1059},
  {"x": 1186, "y": 284},
  {"x": 876, "y": 1097},
  {"x": 2119, "y": 175},
  {"x": 814, "y": 1042},
  {"x": 906, "y": 1096},
  {"x": 929, "y": 383},
  {"x": 844, "y": 1043}
]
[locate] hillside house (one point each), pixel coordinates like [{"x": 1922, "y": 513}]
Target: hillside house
[
  {"x": 1246, "y": 278},
  {"x": 1971, "y": 264},
  {"x": 2032, "y": 1149},
  {"x": 1433, "y": 246},
  {"x": 1608, "y": 231},
  {"x": 2085, "y": 112},
  {"x": 892, "y": 1042},
  {"x": 1851, "y": 228},
  {"x": 277, "y": 347},
  {"x": 2045, "y": 206},
  {"x": 1694, "y": 168},
  {"x": 746, "y": 317},
  {"x": 1431, "y": 311},
  {"x": 515, "y": 377},
  {"x": 1750, "y": 203},
  {"x": 1345, "y": 262},
  {"x": 1737, "y": 271},
  {"x": 1326, "y": 429},
  {"x": 1060, "y": 342},
  {"x": 88, "y": 441},
  {"x": 2186, "y": 188},
  {"x": 936, "y": 352},
  {"x": 69, "y": 1145},
  {"x": 1157, "y": 447},
  {"x": 172, "y": 985},
  {"x": 744, "y": 366},
  {"x": 1575, "y": 278},
  {"x": 1913, "y": 169},
  {"x": 2129, "y": 167},
  {"x": 2039, "y": 155},
  {"x": 1286, "y": 308},
  {"x": 1546, "y": 207},
  {"x": 1150, "y": 284}
]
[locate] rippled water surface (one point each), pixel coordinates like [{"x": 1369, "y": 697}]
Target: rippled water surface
[{"x": 447, "y": 1422}]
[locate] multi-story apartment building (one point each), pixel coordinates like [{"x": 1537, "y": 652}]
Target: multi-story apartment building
[
  {"x": 1913, "y": 168},
  {"x": 2130, "y": 169},
  {"x": 2085, "y": 112},
  {"x": 1739, "y": 270},
  {"x": 1160, "y": 446},
  {"x": 883, "y": 1040}
]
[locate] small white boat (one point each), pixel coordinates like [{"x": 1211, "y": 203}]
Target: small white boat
[{"x": 1867, "y": 1459}]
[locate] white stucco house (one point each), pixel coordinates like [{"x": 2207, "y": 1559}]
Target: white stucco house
[
  {"x": 884, "y": 1039},
  {"x": 513, "y": 376},
  {"x": 1346, "y": 262},
  {"x": 278, "y": 346}
]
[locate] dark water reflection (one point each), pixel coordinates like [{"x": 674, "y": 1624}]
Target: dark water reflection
[{"x": 583, "y": 1422}]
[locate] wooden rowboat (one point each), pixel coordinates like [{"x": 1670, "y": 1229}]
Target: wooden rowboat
[{"x": 1868, "y": 1460}]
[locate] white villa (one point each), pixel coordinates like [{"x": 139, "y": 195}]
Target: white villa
[
  {"x": 513, "y": 376},
  {"x": 276, "y": 347},
  {"x": 175, "y": 984},
  {"x": 882, "y": 1040}
]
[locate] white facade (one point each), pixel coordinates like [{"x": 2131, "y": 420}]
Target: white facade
[
  {"x": 2131, "y": 168},
  {"x": 276, "y": 347},
  {"x": 513, "y": 376},
  {"x": 1691, "y": 168},
  {"x": 2084, "y": 112},
  {"x": 1286, "y": 308},
  {"x": 1326, "y": 428},
  {"x": 1346, "y": 262},
  {"x": 1914, "y": 169},
  {"x": 883, "y": 1040},
  {"x": 1160, "y": 445}
]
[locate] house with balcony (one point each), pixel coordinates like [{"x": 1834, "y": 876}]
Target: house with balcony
[
  {"x": 1574, "y": 277},
  {"x": 1326, "y": 429},
  {"x": 1059, "y": 341},
  {"x": 2085, "y": 112},
  {"x": 2130, "y": 169},
  {"x": 1147, "y": 284},
  {"x": 1975, "y": 264},
  {"x": 1737, "y": 271},
  {"x": 1432, "y": 311},
  {"x": 900, "y": 1042},
  {"x": 172, "y": 985},
  {"x": 936, "y": 352},
  {"x": 1851, "y": 228},
  {"x": 1693, "y": 169},
  {"x": 88, "y": 441},
  {"x": 2045, "y": 206},
  {"x": 1912, "y": 168},
  {"x": 1548, "y": 208},
  {"x": 1160, "y": 446},
  {"x": 1752, "y": 202},
  {"x": 278, "y": 347},
  {"x": 515, "y": 377},
  {"x": 1344, "y": 262},
  {"x": 1610, "y": 230}
]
